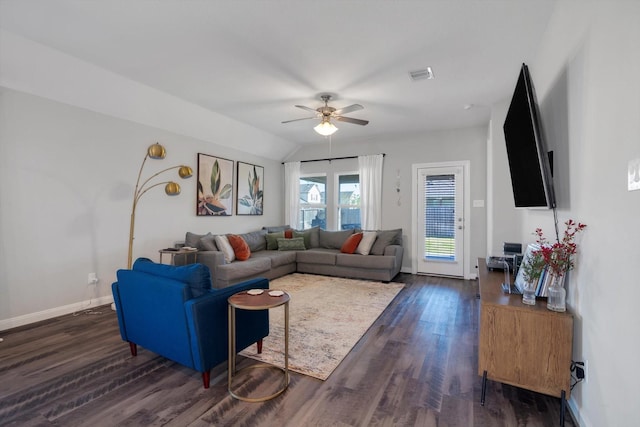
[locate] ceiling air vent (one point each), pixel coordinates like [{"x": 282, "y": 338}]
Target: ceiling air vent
[{"x": 425, "y": 74}]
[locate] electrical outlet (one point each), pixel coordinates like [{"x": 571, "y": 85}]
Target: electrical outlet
[
  {"x": 581, "y": 371},
  {"x": 92, "y": 279}
]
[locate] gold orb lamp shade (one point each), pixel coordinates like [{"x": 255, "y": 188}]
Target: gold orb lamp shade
[
  {"x": 156, "y": 151},
  {"x": 171, "y": 188},
  {"x": 185, "y": 172}
]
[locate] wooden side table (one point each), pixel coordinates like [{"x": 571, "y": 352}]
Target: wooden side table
[
  {"x": 173, "y": 254},
  {"x": 245, "y": 301},
  {"x": 522, "y": 345}
]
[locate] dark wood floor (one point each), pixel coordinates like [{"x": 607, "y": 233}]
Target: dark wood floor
[{"x": 416, "y": 366}]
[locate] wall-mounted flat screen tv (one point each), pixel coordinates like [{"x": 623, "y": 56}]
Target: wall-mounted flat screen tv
[{"x": 529, "y": 160}]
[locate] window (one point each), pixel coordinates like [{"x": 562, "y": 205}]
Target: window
[
  {"x": 313, "y": 204},
  {"x": 330, "y": 202},
  {"x": 348, "y": 201}
]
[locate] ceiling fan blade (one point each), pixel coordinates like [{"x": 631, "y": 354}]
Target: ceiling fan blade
[
  {"x": 297, "y": 120},
  {"x": 348, "y": 109},
  {"x": 307, "y": 108},
  {"x": 351, "y": 120}
]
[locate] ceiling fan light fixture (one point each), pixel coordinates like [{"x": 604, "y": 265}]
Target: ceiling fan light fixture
[{"x": 326, "y": 128}]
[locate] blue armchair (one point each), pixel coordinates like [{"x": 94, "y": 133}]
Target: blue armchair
[{"x": 172, "y": 311}]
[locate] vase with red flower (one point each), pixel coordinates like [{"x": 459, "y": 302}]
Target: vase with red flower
[
  {"x": 558, "y": 258},
  {"x": 557, "y": 294}
]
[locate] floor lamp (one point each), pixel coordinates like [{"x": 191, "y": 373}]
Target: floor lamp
[{"x": 156, "y": 152}]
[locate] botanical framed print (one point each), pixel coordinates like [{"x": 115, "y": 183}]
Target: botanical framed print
[
  {"x": 215, "y": 186},
  {"x": 250, "y": 189}
]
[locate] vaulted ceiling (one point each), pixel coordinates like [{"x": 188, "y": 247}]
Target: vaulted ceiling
[{"x": 253, "y": 60}]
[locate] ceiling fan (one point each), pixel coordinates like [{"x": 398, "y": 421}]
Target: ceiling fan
[{"x": 327, "y": 113}]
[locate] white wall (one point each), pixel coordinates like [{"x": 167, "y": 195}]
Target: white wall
[
  {"x": 586, "y": 77},
  {"x": 33, "y": 68},
  {"x": 401, "y": 152},
  {"x": 66, "y": 185}
]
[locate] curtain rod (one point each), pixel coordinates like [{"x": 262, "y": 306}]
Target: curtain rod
[{"x": 330, "y": 159}]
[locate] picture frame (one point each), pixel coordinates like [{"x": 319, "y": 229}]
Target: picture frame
[
  {"x": 215, "y": 186},
  {"x": 250, "y": 189}
]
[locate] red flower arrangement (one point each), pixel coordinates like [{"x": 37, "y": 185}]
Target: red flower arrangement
[{"x": 559, "y": 256}]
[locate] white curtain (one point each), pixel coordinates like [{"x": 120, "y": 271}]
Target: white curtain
[
  {"x": 291, "y": 193},
  {"x": 370, "y": 168}
]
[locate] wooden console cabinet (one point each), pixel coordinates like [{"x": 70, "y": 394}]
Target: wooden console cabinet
[{"x": 522, "y": 345}]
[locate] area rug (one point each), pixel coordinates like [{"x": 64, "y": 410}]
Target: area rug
[{"x": 327, "y": 317}]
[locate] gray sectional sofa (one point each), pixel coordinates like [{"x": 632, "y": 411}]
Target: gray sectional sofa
[{"x": 321, "y": 254}]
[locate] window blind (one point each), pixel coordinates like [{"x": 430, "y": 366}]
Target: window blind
[{"x": 439, "y": 216}]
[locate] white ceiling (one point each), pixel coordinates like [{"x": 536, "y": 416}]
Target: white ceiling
[{"x": 253, "y": 60}]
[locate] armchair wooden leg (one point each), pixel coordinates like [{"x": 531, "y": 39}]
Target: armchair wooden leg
[
  {"x": 259, "y": 344},
  {"x": 133, "y": 348},
  {"x": 206, "y": 378}
]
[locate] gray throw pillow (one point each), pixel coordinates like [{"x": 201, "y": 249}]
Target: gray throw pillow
[
  {"x": 208, "y": 243},
  {"x": 334, "y": 239},
  {"x": 386, "y": 238},
  {"x": 193, "y": 240},
  {"x": 256, "y": 240}
]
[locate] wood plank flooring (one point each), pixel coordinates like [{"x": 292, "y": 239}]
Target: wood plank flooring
[{"x": 416, "y": 366}]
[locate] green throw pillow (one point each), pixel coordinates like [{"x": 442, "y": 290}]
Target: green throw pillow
[
  {"x": 305, "y": 236},
  {"x": 272, "y": 240},
  {"x": 293, "y": 244}
]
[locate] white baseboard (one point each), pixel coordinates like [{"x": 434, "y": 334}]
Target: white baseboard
[
  {"x": 575, "y": 413},
  {"x": 26, "y": 319}
]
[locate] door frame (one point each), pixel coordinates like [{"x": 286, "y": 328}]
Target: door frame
[{"x": 466, "y": 201}]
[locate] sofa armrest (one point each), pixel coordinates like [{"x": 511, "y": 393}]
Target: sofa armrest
[
  {"x": 210, "y": 259},
  {"x": 397, "y": 251},
  {"x": 207, "y": 318}
]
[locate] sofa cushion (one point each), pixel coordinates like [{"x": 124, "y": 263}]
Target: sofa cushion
[
  {"x": 386, "y": 238},
  {"x": 193, "y": 240},
  {"x": 225, "y": 247},
  {"x": 256, "y": 240},
  {"x": 368, "y": 238},
  {"x": 240, "y": 270},
  {"x": 333, "y": 239},
  {"x": 276, "y": 228},
  {"x": 272, "y": 240},
  {"x": 196, "y": 276},
  {"x": 278, "y": 258},
  {"x": 240, "y": 247},
  {"x": 317, "y": 256},
  {"x": 208, "y": 243},
  {"x": 368, "y": 262},
  {"x": 352, "y": 242},
  {"x": 294, "y": 244}
]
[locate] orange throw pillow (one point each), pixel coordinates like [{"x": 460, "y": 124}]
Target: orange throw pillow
[
  {"x": 240, "y": 247},
  {"x": 288, "y": 234},
  {"x": 350, "y": 245}
]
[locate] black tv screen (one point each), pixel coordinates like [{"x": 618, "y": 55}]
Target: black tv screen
[{"x": 529, "y": 163}]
